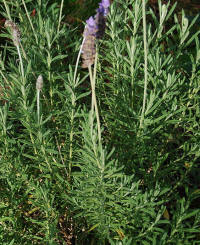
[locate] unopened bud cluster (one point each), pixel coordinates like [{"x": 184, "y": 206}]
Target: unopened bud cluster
[
  {"x": 39, "y": 83},
  {"x": 14, "y": 30},
  {"x": 94, "y": 29}
]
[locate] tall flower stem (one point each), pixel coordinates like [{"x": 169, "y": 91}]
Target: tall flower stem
[
  {"x": 71, "y": 136},
  {"x": 78, "y": 58},
  {"x": 92, "y": 87},
  {"x": 94, "y": 100},
  {"x": 38, "y": 106},
  {"x": 21, "y": 62},
  {"x": 145, "y": 61},
  {"x": 24, "y": 95}
]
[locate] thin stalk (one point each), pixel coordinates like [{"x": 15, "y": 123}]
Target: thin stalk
[
  {"x": 94, "y": 100},
  {"x": 38, "y": 105},
  {"x": 3, "y": 114},
  {"x": 21, "y": 62},
  {"x": 22, "y": 72},
  {"x": 71, "y": 136},
  {"x": 23, "y": 51},
  {"x": 95, "y": 68},
  {"x": 49, "y": 78},
  {"x": 98, "y": 120},
  {"x": 71, "y": 146},
  {"x": 145, "y": 61},
  {"x": 92, "y": 88},
  {"x": 40, "y": 135},
  {"x": 78, "y": 58},
  {"x": 51, "y": 89},
  {"x": 60, "y": 15},
  {"x": 23, "y": 93},
  {"x": 28, "y": 16}
]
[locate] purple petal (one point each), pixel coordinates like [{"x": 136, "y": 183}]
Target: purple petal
[
  {"x": 90, "y": 22},
  {"x": 101, "y": 9},
  {"x": 105, "y": 3},
  {"x": 91, "y": 27}
]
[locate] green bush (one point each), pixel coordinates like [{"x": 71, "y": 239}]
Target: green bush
[{"x": 134, "y": 181}]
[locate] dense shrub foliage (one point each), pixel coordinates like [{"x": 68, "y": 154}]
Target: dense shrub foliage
[{"x": 136, "y": 180}]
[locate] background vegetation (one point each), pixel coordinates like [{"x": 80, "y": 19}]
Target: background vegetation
[{"x": 58, "y": 183}]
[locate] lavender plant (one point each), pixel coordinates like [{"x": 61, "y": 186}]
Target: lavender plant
[{"x": 70, "y": 176}]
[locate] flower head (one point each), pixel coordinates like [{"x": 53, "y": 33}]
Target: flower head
[
  {"x": 95, "y": 28},
  {"x": 14, "y": 30},
  {"x": 39, "y": 83},
  {"x": 100, "y": 17},
  {"x": 88, "y": 49}
]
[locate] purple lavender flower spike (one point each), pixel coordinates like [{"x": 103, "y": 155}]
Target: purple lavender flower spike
[
  {"x": 88, "y": 49},
  {"x": 101, "y": 25},
  {"x": 100, "y": 18},
  {"x": 94, "y": 30}
]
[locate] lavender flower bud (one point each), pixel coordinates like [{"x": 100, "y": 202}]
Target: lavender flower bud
[
  {"x": 39, "y": 83},
  {"x": 14, "y": 30}
]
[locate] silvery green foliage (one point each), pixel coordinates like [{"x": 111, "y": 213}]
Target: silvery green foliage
[
  {"x": 58, "y": 184},
  {"x": 109, "y": 200}
]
